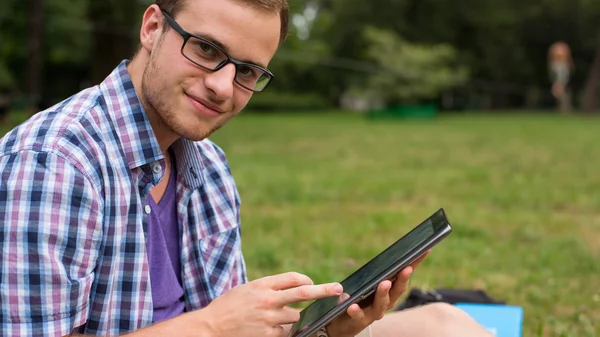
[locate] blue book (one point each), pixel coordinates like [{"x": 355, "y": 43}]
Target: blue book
[{"x": 500, "y": 320}]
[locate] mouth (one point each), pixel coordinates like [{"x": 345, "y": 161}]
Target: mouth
[{"x": 204, "y": 107}]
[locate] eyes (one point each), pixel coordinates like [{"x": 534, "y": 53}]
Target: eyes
[
  {"x": 209, "y": 56},
  {"x": 207, "y": 50},
  {"x": 247, "y": 71}
]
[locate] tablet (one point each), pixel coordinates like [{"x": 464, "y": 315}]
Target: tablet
[{"x": 362, "y": 284}]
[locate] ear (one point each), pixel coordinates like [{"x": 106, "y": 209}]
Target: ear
[{"x": 151, "y": 29}]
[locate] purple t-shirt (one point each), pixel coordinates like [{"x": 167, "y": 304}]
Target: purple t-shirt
[{"x": 163, "y": 254}]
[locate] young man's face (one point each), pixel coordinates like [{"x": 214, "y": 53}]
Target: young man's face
[{"x": 193, "y": 102}]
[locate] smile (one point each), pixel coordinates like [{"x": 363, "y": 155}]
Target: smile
[{"x": 203, "y": 108}]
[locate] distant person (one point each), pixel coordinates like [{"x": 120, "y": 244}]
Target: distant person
[
  {"x": 561, "y": 67},
  {"x": 120, "y": 216}
]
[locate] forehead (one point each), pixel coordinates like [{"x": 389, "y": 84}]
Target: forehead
[{"x": 247, "y": 33}]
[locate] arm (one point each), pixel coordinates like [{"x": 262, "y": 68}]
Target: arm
[
  {"x": 52, "y": 228},
  {"x": 190, "y": 324},
  {"x": 258, "y": 308}
]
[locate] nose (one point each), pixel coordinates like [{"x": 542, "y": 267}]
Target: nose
[{"x": 220, "y": 82}]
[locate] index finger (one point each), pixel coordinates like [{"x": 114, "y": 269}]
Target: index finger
[
  {"x": 308, "y": 293},
  {"x": 285, "y": 281}
]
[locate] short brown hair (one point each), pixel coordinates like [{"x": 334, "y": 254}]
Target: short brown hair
[{"x": 173, "y": 7}]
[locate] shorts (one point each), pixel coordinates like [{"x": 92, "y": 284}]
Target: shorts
[{"x": 559, "y": 72}]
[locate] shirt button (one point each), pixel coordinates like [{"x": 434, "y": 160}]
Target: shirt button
[
  {"x": 147, "y": 209},
  {"x": 157, "y": 168}
]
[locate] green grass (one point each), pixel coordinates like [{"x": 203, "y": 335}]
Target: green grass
[
  {"x": 322, "y": 194},
  {"x": 11, "y": 120}
]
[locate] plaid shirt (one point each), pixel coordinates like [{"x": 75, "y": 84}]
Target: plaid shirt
[{"x": 73, "y": 241}]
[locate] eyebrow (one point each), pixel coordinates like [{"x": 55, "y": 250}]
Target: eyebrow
[{"x": 226, "y": 48}]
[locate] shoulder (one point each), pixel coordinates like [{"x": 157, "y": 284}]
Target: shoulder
[
  {"x": 71, "y": 129},
  {"x": 213, "y": 156},
  {"x": 217, "y": 171},
  {"x": 214, "y": 160}
]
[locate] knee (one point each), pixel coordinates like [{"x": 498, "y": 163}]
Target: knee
[
  {"x": 451, "y": 318},
  {"x": 444, "y": 312}
]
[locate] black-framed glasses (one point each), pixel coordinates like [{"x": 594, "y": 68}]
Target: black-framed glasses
[{"x": 210, "y": 56}]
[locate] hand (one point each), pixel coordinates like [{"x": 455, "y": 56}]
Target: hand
[
  {"x": 357, "y": 319},
  {"x": 260, "y": 308}
]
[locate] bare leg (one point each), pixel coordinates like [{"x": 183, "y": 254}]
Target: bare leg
[
  {"x": 436, "y": 320},
  {"x": 565, "y": 102}
]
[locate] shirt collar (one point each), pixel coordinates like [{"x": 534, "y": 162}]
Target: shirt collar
[{"x": 133, "y": 128}]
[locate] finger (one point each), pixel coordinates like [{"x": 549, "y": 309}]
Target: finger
[
  {"x": 404, "y": 275},
  {"x": 356, "y": 313},
  {"x": 308, "y": 293},
  {"x": 289, "y": 316},
  {"x": 285, "y": 281},
  {"x": 382, "y": 301},
  {"x": 278, "y": 331},
  {"x": 420, "y": 259},
  {"x": 343, "y": 297},
  {"x": 413, "y": 265},
  {"x": 400, "y": 285}
]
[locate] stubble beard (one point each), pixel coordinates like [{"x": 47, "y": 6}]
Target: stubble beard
[{"x": 153, "y": 90}]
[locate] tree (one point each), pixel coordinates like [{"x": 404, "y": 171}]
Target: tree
[
  {"x": 35, "y": 53},
  {"x": 113, "y": 34},
  {"x": 6, "y": 78},
  {"x": 409, "y": 72},
  {"x": 590, "y": 98},
  {"x": 504, "y": 43}
]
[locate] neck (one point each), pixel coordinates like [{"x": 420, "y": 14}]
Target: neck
[{"x": 164, "y": 135}]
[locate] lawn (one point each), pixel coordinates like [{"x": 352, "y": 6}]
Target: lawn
[{"x": 322, "y": 194}]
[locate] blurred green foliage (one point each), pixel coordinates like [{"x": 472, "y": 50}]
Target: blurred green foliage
[{"x": 329, "y": 49}]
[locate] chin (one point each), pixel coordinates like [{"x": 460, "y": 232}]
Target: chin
[
  {"x": 194, "y": 132},
  {"x": 196, "y": 135},
  {"x": 197, "y": 129}
]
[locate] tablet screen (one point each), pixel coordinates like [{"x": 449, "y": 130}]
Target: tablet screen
[{"x": 370, "y": 271}]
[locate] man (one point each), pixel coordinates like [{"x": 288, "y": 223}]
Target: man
[
  {"x": 560, "y": 66},
  {"x": 119, "y": 216}
]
